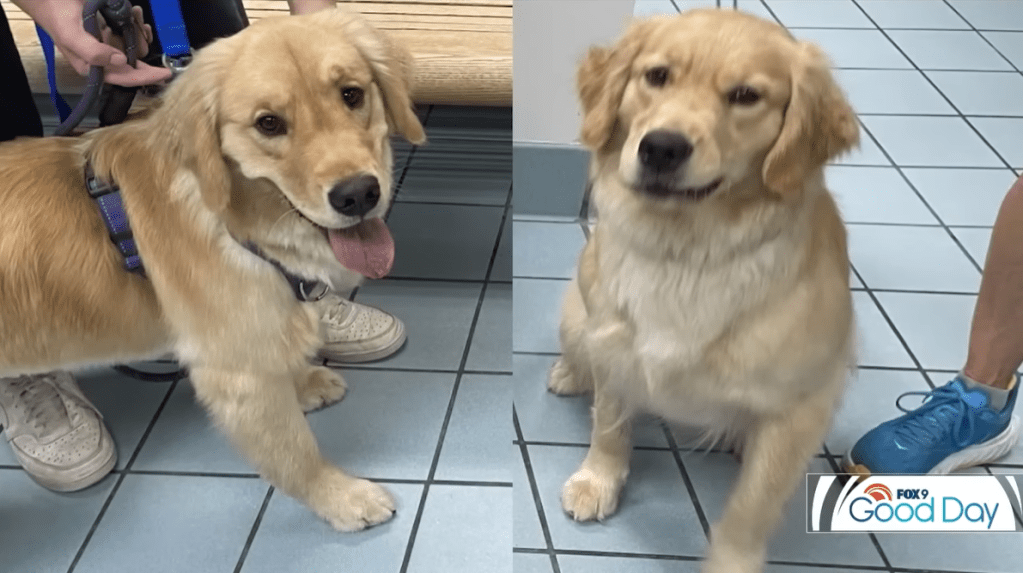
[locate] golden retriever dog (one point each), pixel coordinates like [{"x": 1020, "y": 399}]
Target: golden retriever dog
[
  {"x": 276, "y": 137},
  {"x": 714, "y": 288}
]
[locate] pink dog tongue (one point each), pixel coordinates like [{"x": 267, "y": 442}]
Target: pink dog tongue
[{"x": 366, "y": 248}]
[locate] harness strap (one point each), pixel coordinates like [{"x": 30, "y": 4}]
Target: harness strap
[
  {"x": 108, "y": 198},
  {"x": 305, "y": 290}
]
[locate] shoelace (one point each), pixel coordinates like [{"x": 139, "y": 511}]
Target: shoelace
[
  {"x": 337, "y": 313},
  {"x": 941, "y": 407},
  {"x": 40, "y": 400}
]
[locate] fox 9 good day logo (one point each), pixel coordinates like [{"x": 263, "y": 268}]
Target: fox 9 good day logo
[{"x": 913, "y": 503}]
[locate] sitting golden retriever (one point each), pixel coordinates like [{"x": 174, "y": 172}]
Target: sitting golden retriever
[
  {"x": 714, "y": 289},
  {"x": 268, "y": 158}
]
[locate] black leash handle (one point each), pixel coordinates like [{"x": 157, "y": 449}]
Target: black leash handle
[{"x": 117, "y": 13}]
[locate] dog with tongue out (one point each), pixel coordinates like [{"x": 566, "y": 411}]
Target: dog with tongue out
[{"x": 266, "y": 167}]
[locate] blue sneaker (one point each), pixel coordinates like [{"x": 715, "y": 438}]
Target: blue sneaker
[{"x": 953, "y": 429}]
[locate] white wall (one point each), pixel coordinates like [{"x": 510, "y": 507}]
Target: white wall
[{"x": 551, "y": 37}]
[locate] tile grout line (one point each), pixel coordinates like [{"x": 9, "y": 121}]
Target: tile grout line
[
  {"x": 959, "y": 112},
  {"x": 120, "y": 479},
  {"x": 407, "y": 370},
  {"x": 687, "y": 481},
  {"x": 890, "y": 165},
  {"x": 771, "y": 12},
  {"x": 535, "y": 490},
  {"x": 983, "y": 37},
  {"x": 934, "y": 213},
  {"x": 454, "y": 391},
  {"x": 932, "y": 225},
  {"x": 918, "y": 366},
  {"x": 252, "y": 531},
  {"x": 964, "y": 115},
  {"x": 692, "y": 558}
]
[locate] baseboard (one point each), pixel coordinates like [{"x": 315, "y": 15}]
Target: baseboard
[{"x": 550, "y": 180}]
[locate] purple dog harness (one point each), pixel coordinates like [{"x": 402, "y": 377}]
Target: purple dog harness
[{"x": 108, "y": 199}]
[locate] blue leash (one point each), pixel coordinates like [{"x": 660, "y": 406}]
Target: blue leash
[
  {"x": 170, "y": 28},
  {"x": 63, "y": 109}
]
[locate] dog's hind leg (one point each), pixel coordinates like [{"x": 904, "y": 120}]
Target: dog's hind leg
[
  {"x": 261, "y": 415},
  {"x": 571, "y": 373}
]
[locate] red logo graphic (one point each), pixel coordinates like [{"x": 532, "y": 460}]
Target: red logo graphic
[{"x": 879, "y": 492}]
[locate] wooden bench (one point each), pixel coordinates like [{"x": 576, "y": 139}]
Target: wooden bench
[{"x": 462, "y": 48}]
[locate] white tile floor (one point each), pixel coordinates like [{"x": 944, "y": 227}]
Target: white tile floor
[{"x": 938, "y": 89}]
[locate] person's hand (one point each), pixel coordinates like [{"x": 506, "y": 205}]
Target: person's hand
[
  {"x": 299, "y": 7},
  {"x": 62, "y": 20}
]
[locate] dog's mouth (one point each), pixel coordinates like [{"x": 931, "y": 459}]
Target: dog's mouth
[
  {"x": 366, "y": 247},
  {"x": 661, "y": 190}
]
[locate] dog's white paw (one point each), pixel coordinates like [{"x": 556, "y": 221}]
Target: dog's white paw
[
  {"x": 564, "y": 382},
  {"x": 321, "y": 387},
  {"x": 588, "y": 495},
  {"x": 352, "y": 504}
]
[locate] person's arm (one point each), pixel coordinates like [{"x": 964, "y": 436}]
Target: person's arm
[
  {"x": 62, "y": 20},
  {"x": 307, "y": 6}
]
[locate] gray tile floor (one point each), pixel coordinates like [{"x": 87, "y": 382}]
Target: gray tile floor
[
  {"x": 937, "y": 88},
  {"x": 430, "y": 423}
]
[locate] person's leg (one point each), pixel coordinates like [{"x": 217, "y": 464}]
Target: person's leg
[
  {"x": 20, "y": 117},
  {"x": 996, "y": 337},
  {"x": 968, "y": 421},
  {"x": 56, "y": 434}
]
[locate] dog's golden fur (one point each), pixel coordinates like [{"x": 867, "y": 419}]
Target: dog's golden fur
[
  {"x": 731, "y": 311},
  {"x": 196, "y": 178}
]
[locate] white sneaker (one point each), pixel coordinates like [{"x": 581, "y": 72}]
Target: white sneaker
[
  {"x": 57, "y": 435},
  {"x": 356, "y": 332}
]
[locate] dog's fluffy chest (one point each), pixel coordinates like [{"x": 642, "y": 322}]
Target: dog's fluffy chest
[{"x": 686, "y": 330}]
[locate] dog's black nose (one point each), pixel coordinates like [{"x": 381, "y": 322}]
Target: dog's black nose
[
  {"x": 356, "y": 196},
  {"x": 663, "y": 150}
]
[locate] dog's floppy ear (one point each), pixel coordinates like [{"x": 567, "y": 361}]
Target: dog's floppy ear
[
  {"x": 819, "y": 124},
  {"x": 191, "y": 123},
  {"x": 601, "y": 81},
  {"x": 392, "y": 70}
]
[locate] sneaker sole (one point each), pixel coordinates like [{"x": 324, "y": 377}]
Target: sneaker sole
[
  {"x": 989, "y": 451},
  {"x": 358, "y": 357}
]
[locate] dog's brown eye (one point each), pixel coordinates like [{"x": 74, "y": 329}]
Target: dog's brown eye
[
  {"x": 657, "y": 77},
  {"x": 271, "y": 125},
  {"x": 353, "y": 97},
  {"x": 743, "y": 95}
]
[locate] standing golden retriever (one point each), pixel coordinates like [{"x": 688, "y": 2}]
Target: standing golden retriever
[
  {"x": 714, "y": 289},
  {"x": 277, "y": 138}
]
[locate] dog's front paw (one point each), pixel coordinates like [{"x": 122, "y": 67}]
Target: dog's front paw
[
  {"x": 321, "y": 387},
  {"x": 564, "y": 382},
  {"x": 588, "y": 495},
  {"x": 351, "y": 504}
]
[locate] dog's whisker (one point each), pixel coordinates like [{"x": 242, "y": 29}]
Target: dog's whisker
[{"x": 281, "y": 218}]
